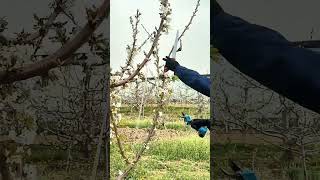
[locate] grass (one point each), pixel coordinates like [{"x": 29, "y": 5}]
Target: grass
[
  {"x": 269, "y": 161},
  {"x": 179, "y": 158},
  {"x": 191, "y": 148},
  {"x": 297, "y": 174},
  {"x": 172, "y": 117},
  {"x": 146, "y": 123},
  {"x": 172, "y": 111},
  {"x": 44, "y": 153},
  {"x": 135, "y": 123},
  {"x": 185, "y": 156},
  {"x": 179, "y": 126}
]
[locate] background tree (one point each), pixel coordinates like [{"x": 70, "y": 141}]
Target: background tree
[
  {"x": 36, "y": 65},
  {"x": 246, "y": 106},
  {"x": 121, "y": 81}
]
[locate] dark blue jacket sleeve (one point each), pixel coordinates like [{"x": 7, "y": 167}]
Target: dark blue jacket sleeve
[
  {"x": 266, "y": 56},
  {"x": 194, "y": 80}
]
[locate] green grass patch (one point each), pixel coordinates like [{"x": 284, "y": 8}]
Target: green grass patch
[
  {"x": 244, "y": 151},
  {"x": 46, "y": 153},
  {"x": 179, "y": 126},
  {"x": 190, "y": 148},
  {"x": 135, "y": 123},
  {"x": 171, "y": 110},
  {"x": 297, "y": 174},
  {"x": 268, "y": 158},
  {"x": 178, "y": 158},
  {"x": 146, "y": 123}
]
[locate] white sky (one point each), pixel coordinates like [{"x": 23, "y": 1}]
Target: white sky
[
  {"x": 196, "y": 42},
  {"x": 292, "y": 18}
]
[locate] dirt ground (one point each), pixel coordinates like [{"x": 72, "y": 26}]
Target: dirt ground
[
  {"x": 138, "y": 135},
  {"x": 245, "y": 138}
]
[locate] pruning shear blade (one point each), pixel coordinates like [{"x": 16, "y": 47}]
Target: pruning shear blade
[{"x": 175, "y": 45}]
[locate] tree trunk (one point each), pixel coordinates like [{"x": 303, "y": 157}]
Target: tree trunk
[
  {"x": 4, "y": 167},
  {"x": 85, "y": 150},
  {"x": 304, "y": 162}
]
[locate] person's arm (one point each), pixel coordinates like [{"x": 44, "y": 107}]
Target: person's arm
[
  {"x": 269, "y": 58},
  {"x": 198, "y": 123},
  {"x": 193, "y": 79}
]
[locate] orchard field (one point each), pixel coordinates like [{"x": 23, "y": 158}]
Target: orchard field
[
  {"x": 175, "y": 151},
  {"x": 149, "y": 140}
]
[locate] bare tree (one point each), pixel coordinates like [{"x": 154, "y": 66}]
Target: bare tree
[
  {"x": 28, "y": 68},
  {"x": 129, "y": 73},
  {"x": 246, "y": 105},
  {"x": 63, "y": 55}
]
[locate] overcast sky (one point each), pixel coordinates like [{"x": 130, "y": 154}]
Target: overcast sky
[
  {"x": 196, "y": 42},
  {"x": 292, "y": 18},
  {"x": 19, "y": 14}
]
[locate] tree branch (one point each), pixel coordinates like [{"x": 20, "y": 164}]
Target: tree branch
[
  {"x": 146, "y": 59},
  {"x": 58, "y": 58},
  {"x": 307, "y": 44}
]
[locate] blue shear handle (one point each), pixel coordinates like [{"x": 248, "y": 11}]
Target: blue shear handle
[
  {"x": 248, "y": 175},
  {"x": 202, "y": 131},
  {"x": 187, "y": 119}
]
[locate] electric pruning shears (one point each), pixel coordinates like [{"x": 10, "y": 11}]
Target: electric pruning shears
[
  {"x": 174, "y": 49},
  {"x": 238, "y": 172},
  {"x": 200, "y": 125}
]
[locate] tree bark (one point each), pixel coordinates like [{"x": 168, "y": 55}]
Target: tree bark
[{"x": 61, "y": 56}]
